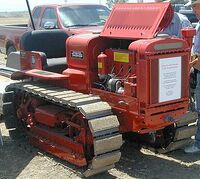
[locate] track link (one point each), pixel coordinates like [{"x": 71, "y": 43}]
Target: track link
[{"x": 103, "y": 124}]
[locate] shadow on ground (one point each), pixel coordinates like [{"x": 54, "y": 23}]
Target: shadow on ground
[
  {"x": 14, "y": 158},
  {"x": 144, "y": 164}
]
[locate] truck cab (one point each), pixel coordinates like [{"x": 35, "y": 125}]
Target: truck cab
[{"x": 72, "y": 18}]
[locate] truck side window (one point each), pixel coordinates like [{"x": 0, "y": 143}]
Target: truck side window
[
  {"x": 49, "y": 15},
  {"x": 36, "y": 15}
]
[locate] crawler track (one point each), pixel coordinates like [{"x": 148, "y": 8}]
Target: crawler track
[{"x": 103, "y": 125}]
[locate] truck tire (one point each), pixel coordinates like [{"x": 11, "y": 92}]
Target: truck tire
[{"x": 10, "y": 49}]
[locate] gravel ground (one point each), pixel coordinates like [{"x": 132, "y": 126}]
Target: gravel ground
[
  {"x": 20, "y": 160},
  {"x": 2, "y": 59}
]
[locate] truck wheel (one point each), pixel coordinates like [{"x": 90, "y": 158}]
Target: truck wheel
[{"x": 10, "y": 49}]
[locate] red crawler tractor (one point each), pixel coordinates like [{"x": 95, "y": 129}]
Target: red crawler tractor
[{"x": 128, "y": 73}]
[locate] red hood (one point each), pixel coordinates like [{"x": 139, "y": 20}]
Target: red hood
[
  {"x": 155, "y": 17},
  {"x": 82, "y": 30}
]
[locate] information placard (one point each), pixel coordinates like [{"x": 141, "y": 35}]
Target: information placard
[{"x": 169, "y": 79}]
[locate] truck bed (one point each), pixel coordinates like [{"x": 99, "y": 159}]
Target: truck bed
[
  {"x": 14, "y": 26},
  {"x": 10, "y": 35}
]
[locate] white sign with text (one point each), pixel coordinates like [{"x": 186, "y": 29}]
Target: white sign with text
[{"x": 169, "y": 79}]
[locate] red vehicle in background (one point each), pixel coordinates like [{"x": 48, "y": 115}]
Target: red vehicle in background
[{"x": 73, "y": 18}]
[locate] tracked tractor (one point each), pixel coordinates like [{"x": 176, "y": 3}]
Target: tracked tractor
[{"x": 128, "y": 79}]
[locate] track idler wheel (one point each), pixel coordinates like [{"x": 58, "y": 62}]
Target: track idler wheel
[{"x": 79, "y": 131}]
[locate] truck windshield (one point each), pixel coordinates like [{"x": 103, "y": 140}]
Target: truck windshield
[{"x": 88, "y": 15}]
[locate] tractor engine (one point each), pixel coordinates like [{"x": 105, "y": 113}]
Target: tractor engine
[{"x": 108, "y": 79}]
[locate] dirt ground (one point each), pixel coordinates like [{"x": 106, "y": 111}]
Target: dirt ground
[
  {"x": 18, "y": 159},
  {"x": 13, "y": 20},
  {"x": 2, "y": 59}
]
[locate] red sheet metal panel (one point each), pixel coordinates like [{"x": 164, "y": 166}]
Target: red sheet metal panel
[
  {"x": 47, "y": 75},
  {"x": 137, "y": 20}
]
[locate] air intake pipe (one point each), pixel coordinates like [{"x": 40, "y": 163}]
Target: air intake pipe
[{"x": 188, "y": 34}]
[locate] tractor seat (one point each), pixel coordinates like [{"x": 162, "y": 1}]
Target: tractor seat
[{"x": 51, "y": 43}]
